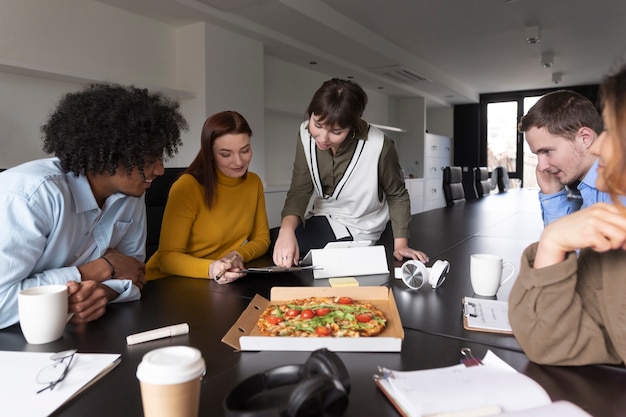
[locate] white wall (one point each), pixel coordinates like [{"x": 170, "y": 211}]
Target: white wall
[
  {"x": 48, "y": 48},
  {"x": 191, "y": 76},
  {"x": 24, "y": 106},
  {"x": 87, "y": 37},
  {"x": 411, "y": 116},
  {"x": 234, "y": 81},
  {"x": 58, "y": 47},
  {"x": 81, "y": 41}
]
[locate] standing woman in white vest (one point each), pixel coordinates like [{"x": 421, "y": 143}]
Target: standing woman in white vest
[{"x": 352, "y": 171}]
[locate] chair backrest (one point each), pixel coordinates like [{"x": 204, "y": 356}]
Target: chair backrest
[
  {"x": 453, "y": 185},
  {"x": 501, "y": 175},
  {"x": 482, "y": 185},
  {"x": 156, "y": 198}
]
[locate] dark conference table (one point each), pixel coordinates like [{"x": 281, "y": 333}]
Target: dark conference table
[
  {"x": 434, "y": 335},
  {"x": 502, "y": 224}
]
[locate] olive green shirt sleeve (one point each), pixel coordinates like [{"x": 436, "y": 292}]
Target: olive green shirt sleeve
[
  {"x": 391, "y": 183},
  {"x": 301, "y": 187}
]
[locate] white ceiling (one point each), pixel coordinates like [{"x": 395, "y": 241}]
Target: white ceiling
[{"x": 461, "y": 47}]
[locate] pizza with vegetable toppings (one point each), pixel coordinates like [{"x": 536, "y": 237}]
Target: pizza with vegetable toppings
[{"x": 322, "y": 317}]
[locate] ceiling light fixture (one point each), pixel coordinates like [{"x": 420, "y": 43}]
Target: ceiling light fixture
[
  {"x": 532, "y": 35},
  {"x": 557, "y": 77},
  {"x": 547, "y": 60}
]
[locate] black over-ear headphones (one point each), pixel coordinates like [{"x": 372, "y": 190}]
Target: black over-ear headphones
[{"x": 322, "y": 388}]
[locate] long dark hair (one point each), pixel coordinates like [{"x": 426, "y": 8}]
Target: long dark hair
[{"x": 203, "y": 167}]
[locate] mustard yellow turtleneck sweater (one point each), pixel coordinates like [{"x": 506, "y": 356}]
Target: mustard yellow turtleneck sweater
[{"x": 192, "y": 236}]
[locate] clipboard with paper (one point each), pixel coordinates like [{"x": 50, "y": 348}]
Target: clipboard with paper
[{"x": 486, "y": 315}]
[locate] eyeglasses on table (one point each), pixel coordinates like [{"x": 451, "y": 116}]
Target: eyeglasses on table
[{"x": 56, "y": 372}]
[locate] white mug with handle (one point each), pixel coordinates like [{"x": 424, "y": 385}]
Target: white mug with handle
[
  {"x": 43, "y": 313},
  {"x": 486, "y": 273}
]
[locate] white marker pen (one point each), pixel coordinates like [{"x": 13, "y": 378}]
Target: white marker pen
[{"x": 155, "y": 334}]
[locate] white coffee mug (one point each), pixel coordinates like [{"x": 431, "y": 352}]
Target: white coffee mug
[
  {"x": 43, "y": 313},
  {"x": 486, "y": 273}
]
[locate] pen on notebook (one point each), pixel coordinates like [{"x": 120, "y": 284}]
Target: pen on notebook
[
  {"x": 491, "y": 410},
  {"x": 155, "y": 334}
]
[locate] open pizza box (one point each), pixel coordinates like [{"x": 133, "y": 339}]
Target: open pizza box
[{"x": 244, "y": 335}]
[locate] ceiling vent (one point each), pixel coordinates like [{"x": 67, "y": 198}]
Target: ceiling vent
[
  {"x": 401, "y": 74},
  {"x": 230, "y": 5}
]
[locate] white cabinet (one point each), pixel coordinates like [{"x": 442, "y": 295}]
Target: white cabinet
[
  {"x": 415, "y": 187},
  {"x": 437, "y": 155}
]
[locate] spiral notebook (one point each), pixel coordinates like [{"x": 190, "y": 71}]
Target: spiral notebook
[{"x": 489, "y": 388}]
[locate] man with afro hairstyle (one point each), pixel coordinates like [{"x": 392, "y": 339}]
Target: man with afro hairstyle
[{"x": 78, "y": 218}]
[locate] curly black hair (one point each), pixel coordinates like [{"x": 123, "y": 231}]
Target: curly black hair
[{"x": 103, "y": 126}]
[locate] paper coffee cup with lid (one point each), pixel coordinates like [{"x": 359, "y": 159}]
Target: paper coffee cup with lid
[{"x": 170, "y": 380}]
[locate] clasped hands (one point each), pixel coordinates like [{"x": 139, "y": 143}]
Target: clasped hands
[{"x": 88, "y": 298}]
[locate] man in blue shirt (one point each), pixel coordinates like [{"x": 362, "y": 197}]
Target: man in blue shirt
[
  {"x": 559, "y": 129},
  {"x": 79, "y": 218}
]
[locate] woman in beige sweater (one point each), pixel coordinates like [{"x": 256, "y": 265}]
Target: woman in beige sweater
[{"x": 569, "y": 308}]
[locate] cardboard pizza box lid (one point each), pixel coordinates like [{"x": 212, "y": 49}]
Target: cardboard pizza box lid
[{"x": 244, "y": 335}]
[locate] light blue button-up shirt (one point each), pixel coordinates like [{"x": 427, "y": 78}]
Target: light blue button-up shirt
[
  {"x": 555, "y": 206},
  {"x": 50, "y": 224}
]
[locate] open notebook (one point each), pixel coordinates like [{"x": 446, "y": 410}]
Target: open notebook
[
  {"x": 18, "y": 381},
  {"x": 493, "y": 388}
]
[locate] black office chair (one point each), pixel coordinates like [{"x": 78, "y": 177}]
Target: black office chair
[
  {"x": 500, "y": 179},
  {"x": 482, "y": 185},
  {"x": 453, "y": 185},
  {"x": 156, "y": 198}
]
